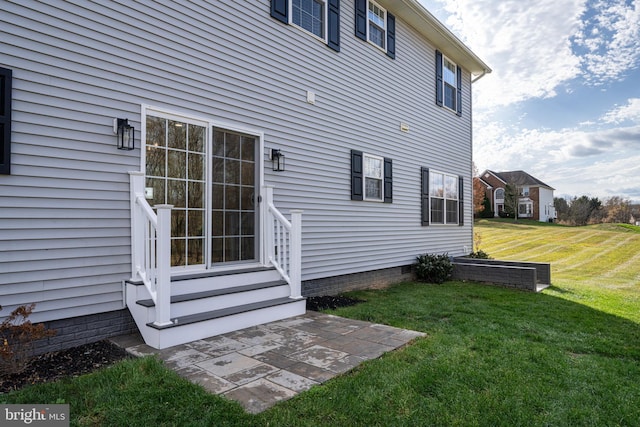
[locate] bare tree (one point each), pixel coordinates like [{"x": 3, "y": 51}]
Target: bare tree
[{"x": 617, "y": 209}]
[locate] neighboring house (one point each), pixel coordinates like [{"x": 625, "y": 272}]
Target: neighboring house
[
  {"x": 241, "y": 115},
  {"x": 536, "y": 197}
]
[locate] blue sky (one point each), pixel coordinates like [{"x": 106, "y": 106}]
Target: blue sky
[{"x": 563, "y": 100}]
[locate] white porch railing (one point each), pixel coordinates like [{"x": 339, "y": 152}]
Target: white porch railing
[
  {"x": 284, "y": 243},
  {"x": 151, "y": 248}
]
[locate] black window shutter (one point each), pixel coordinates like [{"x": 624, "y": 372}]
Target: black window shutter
[
  {"x": 459, "y": 92},
  {"x": 280, "y": 10},
  {"x": 356, "y": 175},
  {"x": 333, "y": 40},
  {"x": 5, "y": 121},
  {"x": 439, "y": 78},
  {"x": 388, "y": 181},
  {"x": 460, "y": 201},
  {"x": 391, "y": 36},
  {"x": 361, "y": 19},
  {"x": 424, "y": 196}
]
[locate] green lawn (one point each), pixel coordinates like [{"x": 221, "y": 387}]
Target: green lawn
[
  {"x": 492, "y": 356},
  {"x": 597, "y": 265}
]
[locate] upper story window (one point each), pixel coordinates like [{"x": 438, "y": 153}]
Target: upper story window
[
  {"x": 375, "y": 25},
  {"x": 373, "y": 186},
  {"x": 442, "y": 201},
  {"x": 318, "y": 17},
  {"x": 5, "y": 121},
  {"x": 448, "y": 84},
  {"x": 309, "y": 15},
  {"x": 500, "y": 194},
  {"x": 371, "y": 177}
]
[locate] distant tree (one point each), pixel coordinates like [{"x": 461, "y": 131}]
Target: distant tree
[
  {"x": 596, "y": 210},
  {"x": 478, "y": 196},
  {"x": 617, "y": 209},
  {"x": 511, "y": 200},
  {"x": 582, "y": 209},
  {"x": 486, "y": 211},
  {"x": 562, "y": 208}
]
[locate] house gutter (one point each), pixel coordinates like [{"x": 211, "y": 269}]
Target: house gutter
[
  {"x": 480, "y": 76},
  {"x": 418, "y": 17}
]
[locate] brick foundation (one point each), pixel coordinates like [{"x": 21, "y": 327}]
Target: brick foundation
[
  {"x": 81, "y": 330},
  {"x": 350, "y": 282}
]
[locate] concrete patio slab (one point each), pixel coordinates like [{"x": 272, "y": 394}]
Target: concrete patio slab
[{"x": 263, "y": 365}]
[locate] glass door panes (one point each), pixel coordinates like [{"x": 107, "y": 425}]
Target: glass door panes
[
  {"x": 175, "y": 174},
  {"x": 233, "y": 192}
]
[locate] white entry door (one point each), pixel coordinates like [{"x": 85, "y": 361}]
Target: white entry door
[{"x": 211, "y": 177}]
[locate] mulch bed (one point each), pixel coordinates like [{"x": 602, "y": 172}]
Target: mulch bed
[
  {"x": 330, "y": 302},
  {"x": 71, "y": 362}
]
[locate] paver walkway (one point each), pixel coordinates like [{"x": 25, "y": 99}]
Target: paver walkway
[{"x": 263, "y": 365}]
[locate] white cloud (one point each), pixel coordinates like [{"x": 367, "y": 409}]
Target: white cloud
[
  {"x": 609, "y": 35},
  {"x": 528, "y": 46},
  {"x": 537, "y": 47},
  {"x": 598, "y": 163},
  {"x": 629, "y": 112}
]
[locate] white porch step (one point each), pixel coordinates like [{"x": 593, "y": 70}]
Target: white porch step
[
  {"x": 188, "y": 284},
  {"x": 218, "y": 299},
  {"x": 214, "y": 304},
  {"x": 225, "y": 312}
]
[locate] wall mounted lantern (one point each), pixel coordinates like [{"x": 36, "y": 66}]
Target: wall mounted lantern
[
  {"x": 277, "y": 157},
  {"x": 125, "y": 132}
]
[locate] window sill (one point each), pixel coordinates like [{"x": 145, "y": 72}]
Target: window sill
[
  {"x": 383, "y": 50},
  {"x": 309, "y": 33}
]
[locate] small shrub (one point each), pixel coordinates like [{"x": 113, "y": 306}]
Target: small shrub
[
  {"x": 479, "y": 254},
  {"x": 17, "y": 337},
  {"x": 433, "y": 268}
]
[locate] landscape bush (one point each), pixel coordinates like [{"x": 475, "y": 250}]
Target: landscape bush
[
  {"x": 17, "y": 338},
  {"x": 479, "y": 254},
  {"x": 433, "y": 268}
]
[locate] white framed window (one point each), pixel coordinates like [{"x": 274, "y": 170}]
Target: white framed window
[
  {"x": 525, "y": 209},
  {"x": 443, "y": 198},
  {"x": 373, "y": 177},
  {"x": 450, "y": 83},
  {"x": 500, "y": 194},
  {"x": 310, "y": 15},
  {"x": 377, "y": 25}
]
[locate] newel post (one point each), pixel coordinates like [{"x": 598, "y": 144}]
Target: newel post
[
  {"x": 268, "y": 221},
  {"x": 296, "y": 254},
  {"x": 136, "y": 187},
  {"x": 163, "y": 252}
]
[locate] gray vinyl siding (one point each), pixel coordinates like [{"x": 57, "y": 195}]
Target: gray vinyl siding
[{"x": 64, "y": 221}]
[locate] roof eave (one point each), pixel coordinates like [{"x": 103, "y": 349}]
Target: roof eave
[{"x": 412, "y": 12}]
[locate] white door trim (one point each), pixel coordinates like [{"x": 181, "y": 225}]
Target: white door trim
[{"x": 211, "y": 123}]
